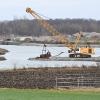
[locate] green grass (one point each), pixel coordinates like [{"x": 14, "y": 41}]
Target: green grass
[{"x": 18, "y": 94}]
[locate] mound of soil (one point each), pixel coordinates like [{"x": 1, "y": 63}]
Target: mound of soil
[{"x": 3, "y": 51}]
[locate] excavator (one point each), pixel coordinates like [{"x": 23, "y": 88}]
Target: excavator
[{"x": 74, "y": 51}]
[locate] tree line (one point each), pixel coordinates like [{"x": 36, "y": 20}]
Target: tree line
[{"x": 65, "y": 26}]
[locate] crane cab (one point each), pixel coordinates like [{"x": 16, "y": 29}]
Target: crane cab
[
  {"x": 84, "y": 52},
  {"x": 87, "y": 50}
]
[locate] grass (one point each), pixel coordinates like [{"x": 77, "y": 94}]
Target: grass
[{"x": 35, "y": 94}]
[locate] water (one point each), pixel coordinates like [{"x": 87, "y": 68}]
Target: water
[{"x": 18, "y": 57}]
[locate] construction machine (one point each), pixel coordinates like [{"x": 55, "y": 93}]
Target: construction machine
[
  {"x": 74, "y": 51},
  {"x": 45, "y": 53}
]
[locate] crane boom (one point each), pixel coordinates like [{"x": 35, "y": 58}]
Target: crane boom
[
  {"x": 85, "y": 52},
  {"x": 63, "y": 39}
]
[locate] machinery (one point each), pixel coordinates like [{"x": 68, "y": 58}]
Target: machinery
[
  {"x": 45, "y": 53},
  {"x": 74, "y": 52}
]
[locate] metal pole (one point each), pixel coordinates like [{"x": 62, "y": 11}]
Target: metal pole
[
  {"x": 78, "y": 80},
  {"x": 56, "y": 83}
]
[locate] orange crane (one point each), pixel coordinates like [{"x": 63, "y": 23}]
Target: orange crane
[{"x": 74, "y": 52}]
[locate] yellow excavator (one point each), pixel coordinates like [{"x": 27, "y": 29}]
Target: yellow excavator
[{"x": 74, "y": 51}]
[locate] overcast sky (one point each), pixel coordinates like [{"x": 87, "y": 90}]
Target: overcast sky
[{"x": 10, "y": 9}]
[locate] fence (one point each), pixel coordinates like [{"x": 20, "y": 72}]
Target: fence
[{"x": 77, "y": 82}]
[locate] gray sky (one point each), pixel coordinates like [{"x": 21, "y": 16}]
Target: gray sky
[{"x": 10, "y": 9}]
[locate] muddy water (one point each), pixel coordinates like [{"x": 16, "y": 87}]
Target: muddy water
[{"x": 18, "y": 57}]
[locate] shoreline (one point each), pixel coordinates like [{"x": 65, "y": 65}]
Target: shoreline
[
  {"x": 55, "y": 45},
  {"x": 41, "y": 44}
]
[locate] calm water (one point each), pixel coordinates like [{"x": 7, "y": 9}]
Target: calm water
[{"x": 18, "y": 55}]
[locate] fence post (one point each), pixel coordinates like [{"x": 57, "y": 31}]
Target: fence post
[
  {"x": 78, "y": 80},
  {"x": 56, "y": 83}
]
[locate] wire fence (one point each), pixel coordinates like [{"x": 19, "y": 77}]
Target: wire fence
[{"x": 77, "y": 82}]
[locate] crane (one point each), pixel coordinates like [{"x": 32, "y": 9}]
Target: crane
[{"x": 74, "y": 52}]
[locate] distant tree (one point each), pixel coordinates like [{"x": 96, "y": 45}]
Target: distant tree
[{"x": 65, "y": 26}]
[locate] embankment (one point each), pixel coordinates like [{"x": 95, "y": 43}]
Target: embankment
[{"x": 46, "y": 77}]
